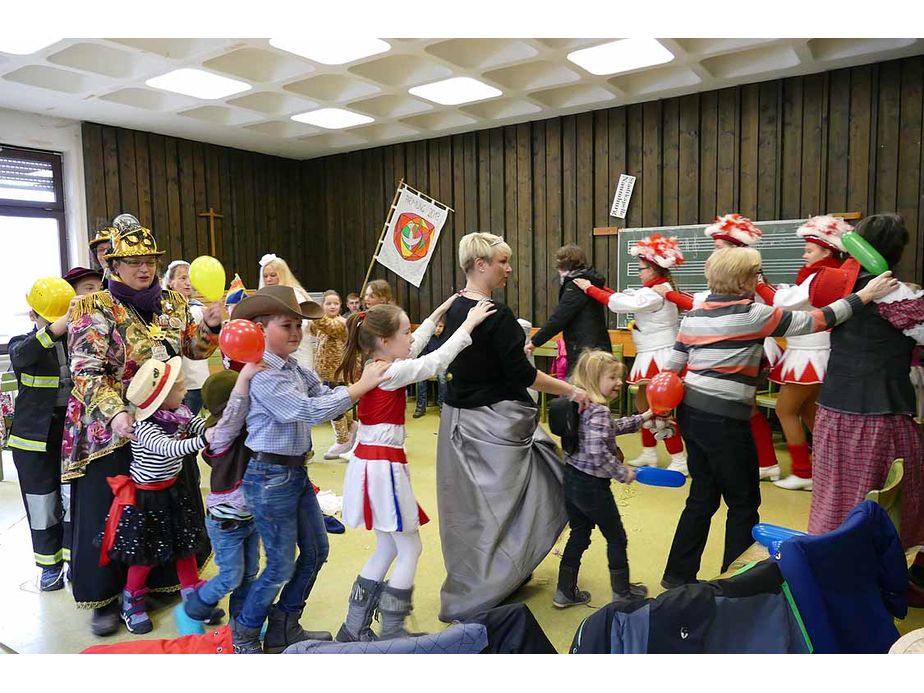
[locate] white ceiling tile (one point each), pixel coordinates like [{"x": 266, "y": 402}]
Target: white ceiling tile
[
  {"x": 442, "y": 120},
  {"x": 838, "y": 48},
  {"x": 336, "y": 140},
  {"x": 285, "y": 129},
  {"x": 498, "y": 109},
  {"x": 382, "y": 132},
  {"x": 52, "y": 78},
  {"x": 173, "y": 48},
  {"x": 217, "y": 114},
  {"x": 391, "y": 106},
  {"x": 258, "y": 65},
  {"x": 752, "y": 62},
  {"x": 332, "y": 88},
  {"x": 569, "y": 44},
  {"x": 532, "y": 75},
  {"x": 481, "y": 53},
  {"x": 273, "y": 103},
  {"x": 577, "y": 95},
  {"x": 102, "y": 60},
  {"x": 652, "y": 81},
  {"x": 149, "y": 99},
  {"x": 711, "y": 46},
  {"x": 402, "y": 70}
]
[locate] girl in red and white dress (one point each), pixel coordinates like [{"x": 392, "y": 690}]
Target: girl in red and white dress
[
  {"x": 377, "y": 490},
  {"x": 801, "y": 369},
  {"x": 654, "y": 332},
  {"x": 736, "y": 231}
]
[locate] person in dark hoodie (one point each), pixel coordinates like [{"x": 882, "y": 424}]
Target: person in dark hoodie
[{"x": 580, "y": 319}]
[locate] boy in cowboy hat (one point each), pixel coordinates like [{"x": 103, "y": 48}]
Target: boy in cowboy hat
[{"x": 286, "y": 400}]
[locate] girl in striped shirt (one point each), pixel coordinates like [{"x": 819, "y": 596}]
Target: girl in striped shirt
[{"x": 154, "y": 519}]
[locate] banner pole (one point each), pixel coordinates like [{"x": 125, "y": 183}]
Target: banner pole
[{"x": 375, "y": 253}]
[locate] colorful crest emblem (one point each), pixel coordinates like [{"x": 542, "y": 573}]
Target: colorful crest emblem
[{"x": 412, "y": 236}]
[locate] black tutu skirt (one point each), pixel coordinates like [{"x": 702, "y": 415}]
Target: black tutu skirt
[{"x": 161, "y": 527}]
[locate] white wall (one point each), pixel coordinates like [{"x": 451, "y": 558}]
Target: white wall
[{"x": 19, "y": 129}]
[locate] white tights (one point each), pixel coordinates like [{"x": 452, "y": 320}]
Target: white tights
[{"x": 401, "y": 548}]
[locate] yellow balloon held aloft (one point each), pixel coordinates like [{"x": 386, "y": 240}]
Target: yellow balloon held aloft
[
  {"x": 50, "y": 297},
  {"x": 207, "y": 276}
]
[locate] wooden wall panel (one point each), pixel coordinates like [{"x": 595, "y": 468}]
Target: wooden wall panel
[{"x": 843, "y": 141}]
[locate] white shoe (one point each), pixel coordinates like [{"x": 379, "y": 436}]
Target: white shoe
[
  {"x": 794, "y": 483},
  {"x": 337, "y": 450},
  {"x": 679, "y": 463},
  {"x": 772, "y": 473},
  {"x": 648, "y": 458}
]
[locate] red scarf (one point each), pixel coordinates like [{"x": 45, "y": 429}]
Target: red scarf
[
  {"x": 123, "y": 494},
  {"x": 657, "y": 280},
  {"x": 808, "y": 270}
]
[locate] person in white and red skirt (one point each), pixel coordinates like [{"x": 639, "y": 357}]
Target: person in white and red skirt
[
  {"x": 736, "y": 231},
  {"x": 653, "y": 332},
  {"x": 801, "y": 369}
]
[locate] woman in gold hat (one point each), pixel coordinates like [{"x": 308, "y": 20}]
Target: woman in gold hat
[{"x": 112, "y": 333}]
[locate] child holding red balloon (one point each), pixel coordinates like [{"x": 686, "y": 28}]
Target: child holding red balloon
[
  {"x": 653, "y": 332},
  {"x": 588, "y": 470},
  {"x": 377, "y": 491},
  {"x": 721, "y": 344}
]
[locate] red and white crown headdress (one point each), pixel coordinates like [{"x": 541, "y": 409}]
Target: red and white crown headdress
[
  {"x": 664, "y": 252},
  {"x": 825, "y": 231},
  {"x": 735, "y": 229}
]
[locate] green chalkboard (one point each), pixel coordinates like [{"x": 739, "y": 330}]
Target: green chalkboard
[{"x": 780, "y": 249}]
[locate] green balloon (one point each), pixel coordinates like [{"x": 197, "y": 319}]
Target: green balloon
[{"x": 865, "y": 254}]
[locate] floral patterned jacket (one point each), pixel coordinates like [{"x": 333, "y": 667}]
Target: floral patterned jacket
[
  {"x": 107, "y": 343},
  {"x": 332, "y": 339}
]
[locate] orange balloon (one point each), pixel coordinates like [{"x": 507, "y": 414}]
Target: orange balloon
[
  {"x": 664, "y": 392},
  {"x": 242, "y": 340}
]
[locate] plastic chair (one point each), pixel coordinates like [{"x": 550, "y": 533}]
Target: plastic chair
[{"x": 890, "y": 495}]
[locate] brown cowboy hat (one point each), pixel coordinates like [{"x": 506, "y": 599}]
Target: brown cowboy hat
[{"x": 276, "y": 300}]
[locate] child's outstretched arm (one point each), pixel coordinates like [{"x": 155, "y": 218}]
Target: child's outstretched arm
[
  {"x": 233, "y": 418},
  {"x": 630, "y": 424},
  {"x": 425, "y": 330},
  {"x": 150, "y": 437},
  {"x": 407, "y": 371},
  {"x": 636, "y": 302}
]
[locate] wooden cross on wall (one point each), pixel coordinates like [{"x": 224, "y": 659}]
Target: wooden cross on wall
[{"x": 212, "y": 216}]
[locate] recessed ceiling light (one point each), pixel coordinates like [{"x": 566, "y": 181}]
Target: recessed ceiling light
[
  {"x": 621, "y": 56},
  {"x": 331, "y": 51},
  {"x": 332, "y": 118},
  {"x": 198, "y": 83},
  {"x": 24, "y": 45},
  {"x": 456, "y": 90}
]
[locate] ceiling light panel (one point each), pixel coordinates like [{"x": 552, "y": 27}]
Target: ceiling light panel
[
  {"x": 198, "y": 83},
  {"x": 333, "y": 118},
  {"x": 24, "y": 45},
  {"x": 621, "y": 56},
  {"x": 332, "y": 51},
  {"x": 452, "y": 92}
]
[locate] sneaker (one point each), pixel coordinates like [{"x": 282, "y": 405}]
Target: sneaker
[
  {"x": 52, "y": 578},
  {"x": 794, "y": 483},
  {"x": 679, "y": 464},
  {"x": 337, "y": 450},
  {"x": 772, "y": 472},
  {"x": 648, "y": 458}
]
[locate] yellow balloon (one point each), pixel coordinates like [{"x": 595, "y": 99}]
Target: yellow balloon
[
  {"x": 50, "y": 297},
  {"x": 207, "y": 276}
]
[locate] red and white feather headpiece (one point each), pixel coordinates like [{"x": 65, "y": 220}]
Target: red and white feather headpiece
[
  {"x": 659, "y": 250},
  {"x": 825, "y": 231},
  {"x": 735, "y": 229}
]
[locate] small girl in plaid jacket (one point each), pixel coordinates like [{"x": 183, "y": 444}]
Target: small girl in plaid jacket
[{"x": 588, "y": 498}]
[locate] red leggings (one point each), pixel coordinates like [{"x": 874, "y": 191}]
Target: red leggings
[
  {"x": 186, "y": 571},
  {"x": 674, "y": 444}
]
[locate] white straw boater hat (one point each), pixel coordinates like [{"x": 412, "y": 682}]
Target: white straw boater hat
[
  {"x": 151, "y": 385},
  {"x": 735, "y": 229},
  {"x": 825, "y": 231}
]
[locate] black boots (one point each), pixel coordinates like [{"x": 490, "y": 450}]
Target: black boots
[
  {"x": 284, "y": 629},
  {"x": 623, "y": 590},
  {"x": 364, "y": 598},
  {"x": 568, "y": 593}
]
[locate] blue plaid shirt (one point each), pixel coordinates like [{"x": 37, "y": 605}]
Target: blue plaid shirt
[{"x": 286, "y": 400}]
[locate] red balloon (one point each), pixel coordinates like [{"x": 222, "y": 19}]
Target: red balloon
[
  {"x": 242, "y": 340},
  {"x": 664, "y": 392}
]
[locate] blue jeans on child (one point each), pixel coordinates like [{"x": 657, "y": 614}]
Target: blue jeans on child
[
  {"x": 440, "y": 391},
  {"x": 287, "y": 515},
  {"x": 237, "y": 553}
]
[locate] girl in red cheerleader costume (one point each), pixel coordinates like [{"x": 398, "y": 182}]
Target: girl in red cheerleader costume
[
  {"x": 654, "y": 332},
  {"x": 801, "y": 369}
]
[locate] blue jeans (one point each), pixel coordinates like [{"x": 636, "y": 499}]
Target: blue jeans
[
  {"x": 193, "y": 400},
  {"x": 423, "y": 387},
  {"x": 287, "y": 515},
  {"x": 237, "y": 553}
]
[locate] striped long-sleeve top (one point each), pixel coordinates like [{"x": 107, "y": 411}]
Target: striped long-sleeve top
[
  {"x": 721, "y": 343},
  {"x": 158, "y": 455}
]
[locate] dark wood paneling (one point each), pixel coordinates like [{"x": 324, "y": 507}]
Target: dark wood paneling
[{"x": 844, "y": 141}]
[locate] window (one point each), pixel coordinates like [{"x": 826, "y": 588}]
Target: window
[{"x": 32, "y": 231}]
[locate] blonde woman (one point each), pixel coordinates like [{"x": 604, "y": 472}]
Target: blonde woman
[
  {"x": 274, "y": 271},
  {"x": 498, "y": 475}
]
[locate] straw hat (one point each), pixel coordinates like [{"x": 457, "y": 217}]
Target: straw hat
[
  {"x": 277, "y": 300},
  {"x": 151, "y": 385}
]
